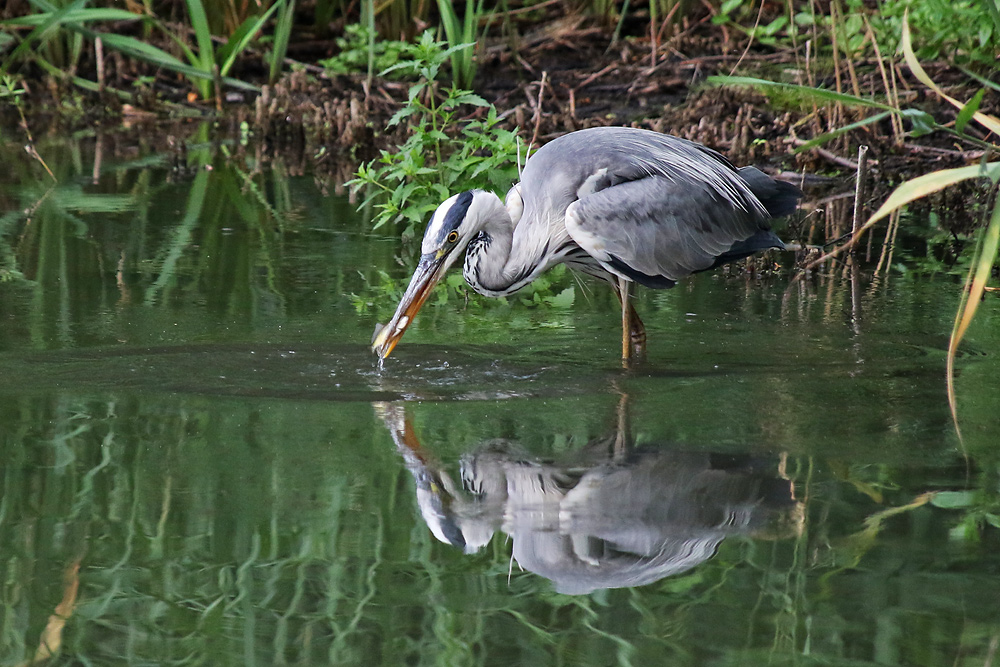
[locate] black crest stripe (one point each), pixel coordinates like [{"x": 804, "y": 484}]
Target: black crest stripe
[{"x": 457, "y": 212}]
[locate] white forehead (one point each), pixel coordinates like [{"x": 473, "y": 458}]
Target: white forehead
[{"x": 441, "y": 223}]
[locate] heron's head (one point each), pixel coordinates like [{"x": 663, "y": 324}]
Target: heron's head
[{"x": 454, "y": 224}]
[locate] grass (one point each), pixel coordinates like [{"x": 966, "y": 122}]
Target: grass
[
  {"x": 914, "y": 189},
  {"x": 207, "y": 67},
  {"x": 462, "y": 36},
  {"x": 213, "y": 65}
]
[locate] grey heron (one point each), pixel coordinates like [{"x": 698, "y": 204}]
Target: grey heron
[{"x": 623, "y": 204}]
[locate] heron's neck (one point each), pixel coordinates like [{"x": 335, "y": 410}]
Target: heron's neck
[{"x": 499, "y": 261}]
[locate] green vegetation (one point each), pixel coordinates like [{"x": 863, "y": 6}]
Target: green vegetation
[
  {"x": 61, "y": 31},
  {"x": 921, "y": 123},
  {"x": 213, "y": 64},
  {"x": 440, "y": 156},
  {"x": 856, "y": 29},
  {"x": 462, "y": 36},
  {"x": 354, "y": 52}
]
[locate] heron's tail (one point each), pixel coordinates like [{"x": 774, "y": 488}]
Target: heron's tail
[{"x": 778, "y": 197}]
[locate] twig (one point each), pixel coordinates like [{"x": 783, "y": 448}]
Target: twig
[
  {"x": 859, "y": 187},
  {"x": 966, "y": 155},
  {"x": 832, "y": 157},
  {"x": 99, "y": 51},
  {"x": 538, "y": 108},
  {"x": 596, "y": 75}
]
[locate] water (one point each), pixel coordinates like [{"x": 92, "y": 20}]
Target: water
[{"x": 203, "y": 464}]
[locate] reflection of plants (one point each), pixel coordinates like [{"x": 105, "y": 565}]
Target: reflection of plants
[
  {"x": 553, "y": 290},
  {"x": 980, "y": 507}
]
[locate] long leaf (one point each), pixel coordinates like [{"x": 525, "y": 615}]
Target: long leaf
[
  {"x": 241, "y": 43},
  {"x": 79, "y": 81},
  {"x": 989, "y": 122},
  {"x": 282, "y": 35},
  {"x": 156, "y": 56},
  {"x": 979, "y": 275},
  {"x": 55, "y": 18},
  {"x": 818, "y": 93},
  {"x": 203, "y": 34},
  {"x": 823, "y": 138},
  {"x": 69, "y": 15},
  {"x": 922, "y": 186}
]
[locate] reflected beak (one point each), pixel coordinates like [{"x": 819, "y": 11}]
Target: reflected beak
[{"x": 428, "y": 273}]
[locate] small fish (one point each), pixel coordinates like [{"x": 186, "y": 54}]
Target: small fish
[{"x": 378, "y": 329}]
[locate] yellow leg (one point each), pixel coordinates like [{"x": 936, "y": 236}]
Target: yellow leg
[
  {"x": 626, "y": 339},
  {"x": 633, "y": 331}
]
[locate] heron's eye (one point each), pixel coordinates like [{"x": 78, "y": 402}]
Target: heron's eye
[{"x": 452, "y": 237}]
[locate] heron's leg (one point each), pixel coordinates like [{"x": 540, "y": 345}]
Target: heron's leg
[
  {"x": 637, "y": 332},
  {"x": 623, "y": 295},
  {"x": 633, "y": 331}
]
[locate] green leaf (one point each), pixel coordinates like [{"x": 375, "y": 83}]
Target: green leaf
[
  {"x": 922, "y": 186},
  {"x": 203, "y": 35},
  {"x": 75, "y": 16},
  {"x": 564, "y": 299},
  {"x": 400, "y": 115},
  {"x": 240, "y": 39},
  {"x": 967, "y": 111},
  {"x": 823, "y": 138},
  {"x": 471, "y": 98},
  {"x": 953, "y": 499},
  {"x": 729, "y": 5},
  {"x": 923, "y": 122},
  {"x": 55, "y": 17}
]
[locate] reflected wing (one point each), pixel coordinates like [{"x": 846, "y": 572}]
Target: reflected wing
[{"x": 656, "y": 230}]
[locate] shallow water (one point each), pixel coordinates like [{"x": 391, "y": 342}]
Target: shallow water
[{"x": 203, "y": 463}]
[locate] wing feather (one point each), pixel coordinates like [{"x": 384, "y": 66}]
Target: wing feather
[{"x": 660, "y": 228}]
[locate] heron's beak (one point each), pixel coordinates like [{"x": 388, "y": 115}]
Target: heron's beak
[{"x": 429, "y": 271}]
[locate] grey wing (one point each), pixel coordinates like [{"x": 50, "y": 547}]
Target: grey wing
[{"x": 657, "y": 230}]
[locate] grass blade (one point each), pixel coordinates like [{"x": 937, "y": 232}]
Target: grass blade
[
  {"x": 818, "y": 93},
  {"x": 68, "y": 14},
  {"x": 282, "y": 35},
  {"x": 827, "y": 136},
  {"x": 203, "y": 35},
  {"x": 979, "y": 274},
  {"x": 243, "y": 35},
  {"x": 56, "y": 16},
  {"x": 989, "y": 122},
  {"x": 922, "y": 186}
]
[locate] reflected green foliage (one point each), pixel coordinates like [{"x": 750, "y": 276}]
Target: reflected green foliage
[{"x": 258, "y": 532}]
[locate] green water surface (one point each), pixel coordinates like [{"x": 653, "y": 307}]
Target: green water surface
[{"x": 203, "y": 464}]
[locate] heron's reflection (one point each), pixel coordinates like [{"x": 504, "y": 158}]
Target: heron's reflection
[{"x": 607, "y": 516}]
